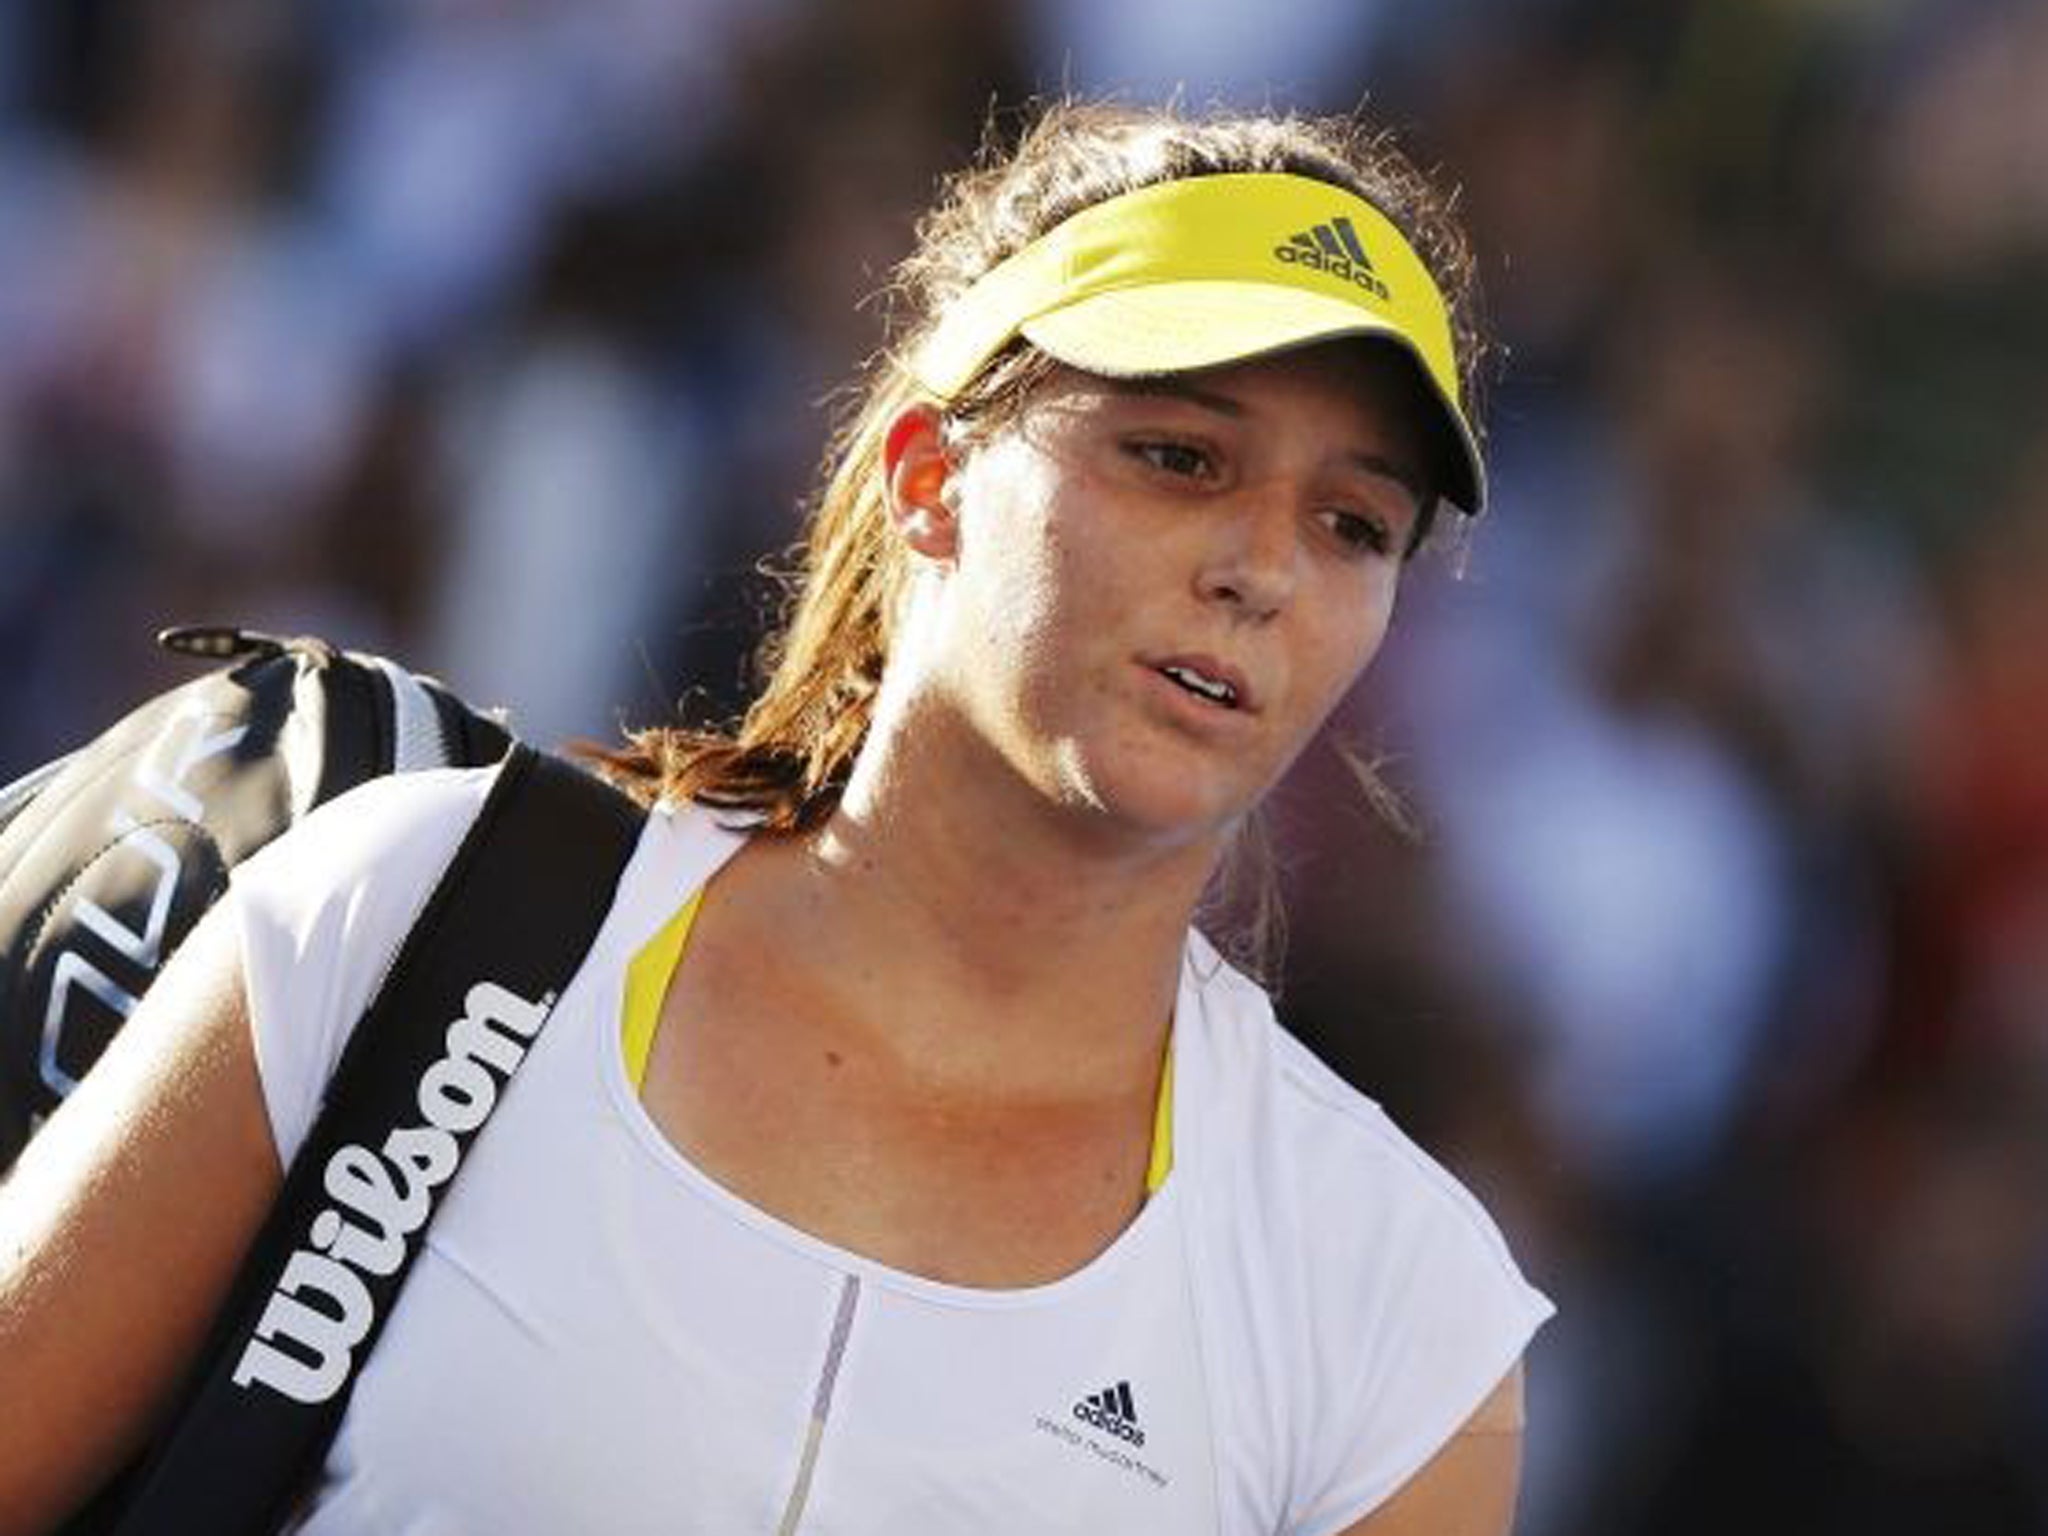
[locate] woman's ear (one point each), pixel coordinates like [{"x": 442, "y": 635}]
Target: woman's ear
[{"x": 918, "y": 483}]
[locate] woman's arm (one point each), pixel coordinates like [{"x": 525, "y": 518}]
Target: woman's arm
[
  {"x": 1468, "y": 1487},
  {"x": 121, "y": 1228}
]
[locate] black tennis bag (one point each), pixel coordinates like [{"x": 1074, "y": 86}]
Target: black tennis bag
[
  {"x": 109, "y": 856},
  {"x": 107, "y": 859}
]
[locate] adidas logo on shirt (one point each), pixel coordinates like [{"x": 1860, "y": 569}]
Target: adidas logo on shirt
[
  {"x": 1112, "y": 1409},
  {"x": 1334, "y": 248}
]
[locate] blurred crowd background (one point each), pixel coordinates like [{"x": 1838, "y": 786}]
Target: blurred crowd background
[{"x": 503, "y": 335}]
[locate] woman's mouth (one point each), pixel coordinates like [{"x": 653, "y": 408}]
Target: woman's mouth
[
  {"x": 1206, "y": 679},
  {"x": 1213, "y": 689}
]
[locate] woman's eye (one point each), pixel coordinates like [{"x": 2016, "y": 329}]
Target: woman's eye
[
  {"x": 1181, "y": 460},
  {"x": 1360, "y": 533}
]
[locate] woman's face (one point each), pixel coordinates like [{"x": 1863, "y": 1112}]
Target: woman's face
[{"x": 1157, "y": 591}]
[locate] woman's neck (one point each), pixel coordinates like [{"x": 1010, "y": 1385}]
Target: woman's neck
[{"x": 949, "y": 898}]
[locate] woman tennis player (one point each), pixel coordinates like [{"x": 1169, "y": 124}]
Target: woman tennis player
[{"x": 901, "y": 1159}]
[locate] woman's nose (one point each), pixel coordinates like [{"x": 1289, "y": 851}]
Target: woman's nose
[{"x": 1251, "y": 563}]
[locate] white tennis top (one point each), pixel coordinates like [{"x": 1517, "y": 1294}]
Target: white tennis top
[{"x": 599, "y": 1337}]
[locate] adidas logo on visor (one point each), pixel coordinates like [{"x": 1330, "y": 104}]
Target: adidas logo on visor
[
  {"x": 1334, "y": 248},
  {"x": 1112, "y": 1409}
]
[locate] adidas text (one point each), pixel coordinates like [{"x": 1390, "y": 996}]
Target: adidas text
[
  {"x": 322, "y": 1309},
  {"x": 1113, "y": 1410},
  {"x": 1336, "y": 266},
  {"x": 1088, "y": 1413}
]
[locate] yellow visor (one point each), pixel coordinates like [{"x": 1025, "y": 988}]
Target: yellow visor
[{"x": 1207, "y": 271}]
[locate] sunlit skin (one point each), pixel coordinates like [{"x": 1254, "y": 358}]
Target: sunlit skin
[
  {"x": 1250, "y": 522},
  {"x": 993, "y": 918}
]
